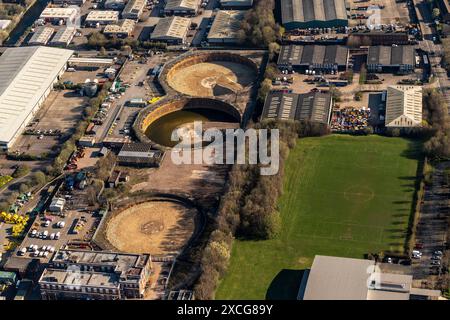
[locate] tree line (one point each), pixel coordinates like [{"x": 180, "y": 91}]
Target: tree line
[{"x": 249, "y": 210}]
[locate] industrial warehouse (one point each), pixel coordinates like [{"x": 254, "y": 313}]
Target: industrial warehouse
[
  {"x": 122, "y": 30},
  {"x": 313, "y": 57},
  {"x": 27, "y": 76},
  {"x": 392, "y": 59},
  {"x": 314, "y": 106},
  {"x": 181, "y": 7},
  {"x": 171, "y": 30},
  {"x": 225, "y": 27},
  {"x": 133, "y": 9},
  {"x": 236, "y": 4},
  {"x": 404, "y": 106},
  {"x": 41, "y": 36},
  {"x": 304, "y": 14}
]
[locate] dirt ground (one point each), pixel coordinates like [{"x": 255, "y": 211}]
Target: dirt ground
[
  {"x": 202, "y": 79},
  {"x": 391, "y": 13},
  {"x": 156, "y": 227},
  {"x": 200, "y": 180}
]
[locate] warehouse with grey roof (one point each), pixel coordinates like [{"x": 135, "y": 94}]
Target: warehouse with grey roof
[
  {"x": 226, "y": 26},
  {"x": 172, "y": 30},
  {"x": 313, "y": 57},
  {"x": 312, "y": 106},
  {"x": 304, "y": 14},
  {"x": 27, "y": 75},
  {"x": 396, "y": 59},
  {"x": 181, "y": 7}
]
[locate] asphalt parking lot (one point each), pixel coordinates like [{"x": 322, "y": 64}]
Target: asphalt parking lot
[
  {"x": 76, "y": 209},
  {"x": 432, "y": 227}
]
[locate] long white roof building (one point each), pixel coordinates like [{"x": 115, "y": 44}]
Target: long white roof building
[
  {"x": 27, "y": 75},
  {"x": 404, "y": 106}
]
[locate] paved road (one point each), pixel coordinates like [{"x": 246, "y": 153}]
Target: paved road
[
  {"x": 432, "y": 225},
  {"x": 425, "y": 19}
]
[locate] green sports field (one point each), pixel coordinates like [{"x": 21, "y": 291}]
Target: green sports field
[{"x": 343, "y": 196}]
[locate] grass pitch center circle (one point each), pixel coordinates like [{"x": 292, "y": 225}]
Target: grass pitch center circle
[{"x": 359, "y": 193}]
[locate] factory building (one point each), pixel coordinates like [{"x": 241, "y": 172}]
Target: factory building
[
  {"x": 55, "y": 15},
  {"x": 172, "y": 30},
  {"x": 182, "y": 7},
  {"x": 101, "y": 17},
  {"x": 63, "y": 37},
  {"x": 313, "y": 106},
  {"x": 236, "y": 4},
  {"x": 337, "y": 278},
  {"x": 99, "y": 275},
  {"x": 313, "y": 57},
  {"x": 304, "y": 14},
  {"x": 404, "y": 106},
  {"x": 41, "y": 36},
  {"x": 4, "y": 24},
  {"x": 397, "y": 59},
  {"x": 139, "y": 155},
  {"x": 70, "y": 2},
  {"x": 225, "y": 27},
  {"x": 114, "y": 4},
  {"x": 134, "y": 9},
  {"x": 123, "y": 29},
  {"x": 27, "y": 75},
  {"x": 378, "y": 38}
]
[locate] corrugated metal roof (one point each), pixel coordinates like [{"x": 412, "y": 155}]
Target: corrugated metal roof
[
  {"x": 312, "y": 10},
  {"x": 313, "y": 106},
  {"x": 312, "y": 54},
  {"x": 25, "y": 74},
  {"x": 387, "y": 55},
  {"x": 182, "y": 4},
  {"x": 226, "y": 24},
  {"x": 172, "y": 27}
]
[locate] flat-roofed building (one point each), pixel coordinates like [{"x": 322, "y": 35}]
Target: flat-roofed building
[
  {"x": 236, "y": 4},
  {"x": 57, "y": 205},
  {"x": 57, "y": 284},
  {"x": 123, "y": 275},
  {"x": 226, "y": 26},
  {"x": 63, "y": 37},
  {"x": 172, "y": 30},
  {"x": 377, "y": 38},
  {"x": 313, "y": 106},
  {"x": 397, "y": 59},
  {"x": 4, "y": 24},
  {"x": 133, "y": 9},
  {"x": 57, "y": 14},
  {"x": 123, "y": 29},
  {"x": 102, "y": 17},
  {"x": 41, "y": 36},
  {"x": 114, "y": 4},
  {"x": 404, "y": 106},
  {"x": 313, "y": 57},
  {"x": 140, "y": 155},
  {"x": 70, "y": 2},
  {"x": 304, "y": 14},
  {"x": 27, "y": 75},
  {"x": 336, "y": 278},
  {"x": 181, "y": 7}
]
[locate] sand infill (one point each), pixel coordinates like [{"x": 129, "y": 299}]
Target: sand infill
[{"x": 156, "y": 227}]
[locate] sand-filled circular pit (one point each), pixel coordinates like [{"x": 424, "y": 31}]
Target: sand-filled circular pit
[
  {"x": 155, "y": 227},
  {"x": 211, "y": 74}
]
